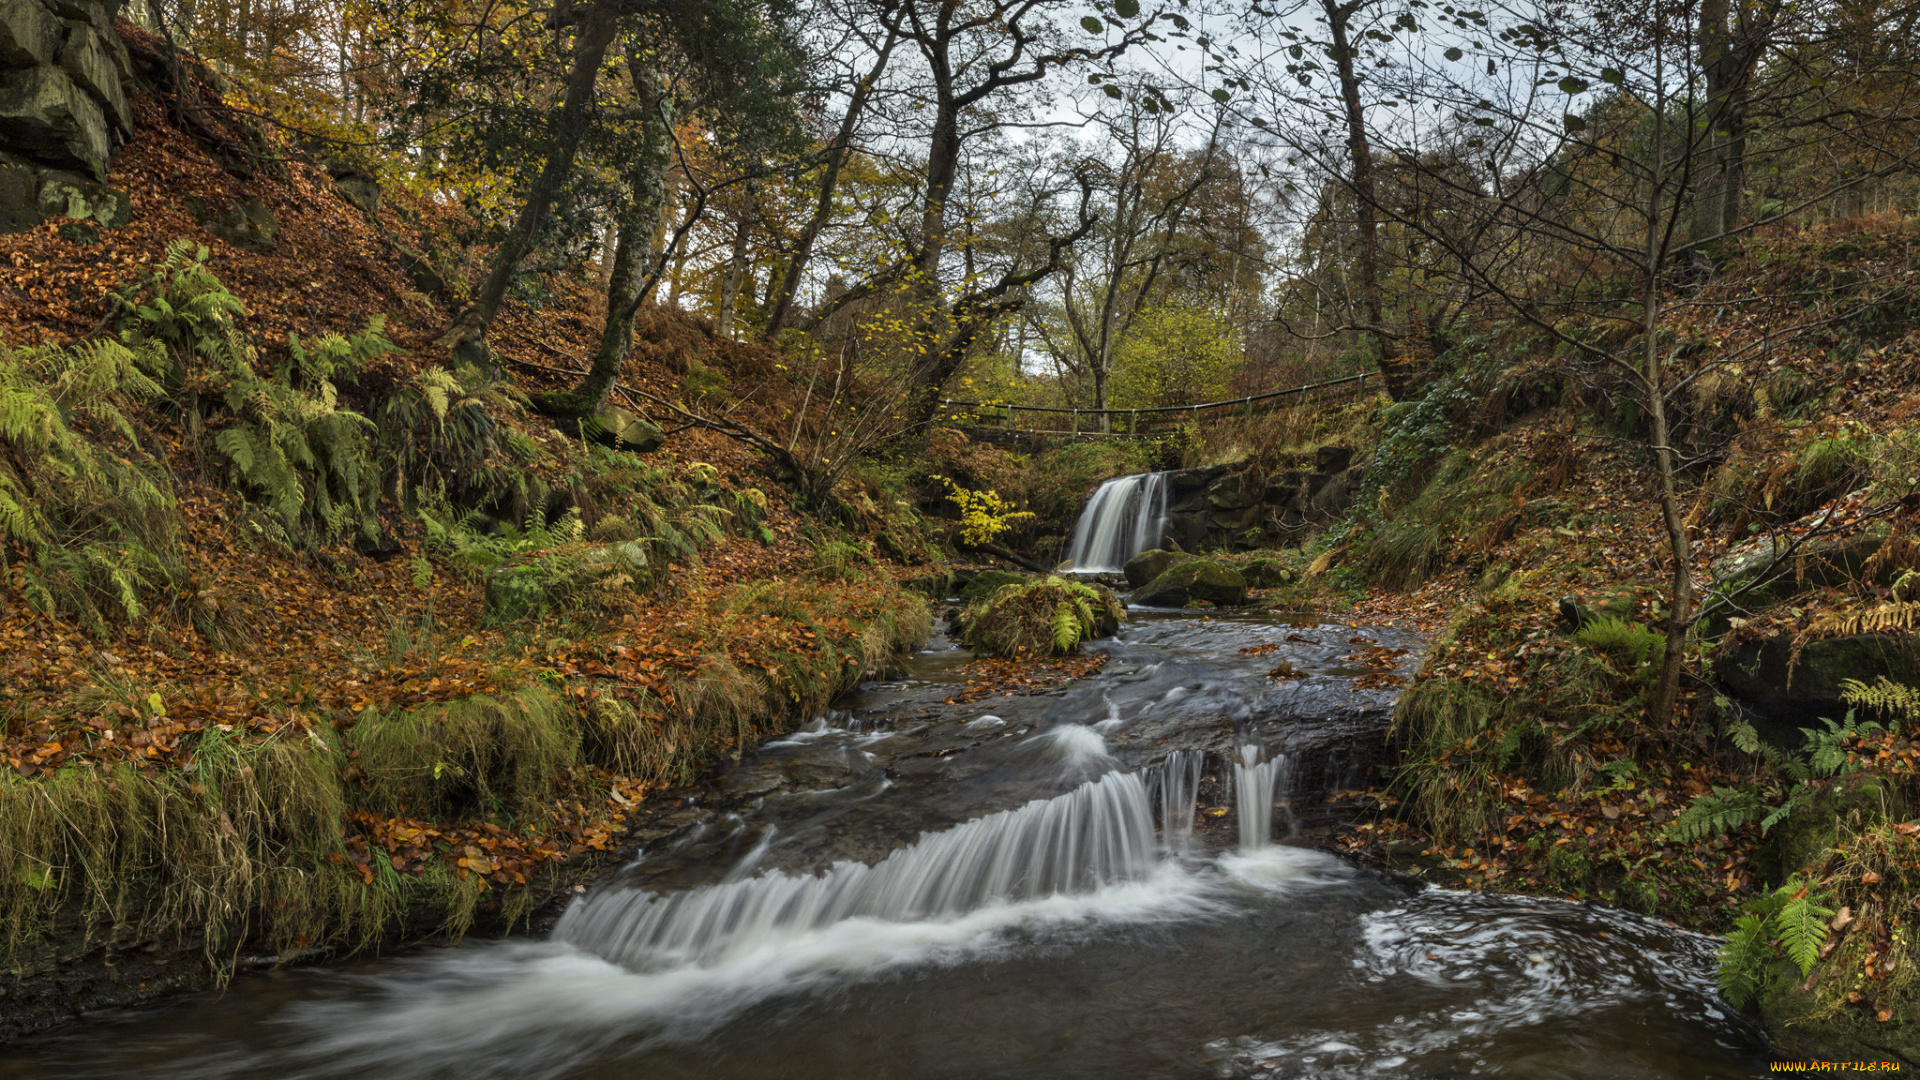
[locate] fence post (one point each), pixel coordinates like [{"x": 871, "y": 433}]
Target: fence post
[{"x": 1073, "y": 424}]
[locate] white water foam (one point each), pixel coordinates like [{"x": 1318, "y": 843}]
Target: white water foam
[{"x": 1256, "y": 784}]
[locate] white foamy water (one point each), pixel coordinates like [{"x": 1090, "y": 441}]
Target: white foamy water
[{"x": 1256, "y": 784}]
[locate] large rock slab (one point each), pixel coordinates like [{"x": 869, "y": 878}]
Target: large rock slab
[
  {"x": 45, "y": 114},
  {"x": 1192, "y": 582},
  {"x": 1763, "y": 673},
  {"x": 1150, "y": 564},
  {"x": 29, "y": 36},
  {"x": 88, "y": 60}
]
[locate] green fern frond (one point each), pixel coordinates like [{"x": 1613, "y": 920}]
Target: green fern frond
[
  {"x": 1712, "y": 813},
  {"x": 1743, "y": 959},
  {"x": 1066, "y": 628},
  {"x": 1801, "y": 925}
]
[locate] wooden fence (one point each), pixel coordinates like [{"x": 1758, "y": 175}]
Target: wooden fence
[{"x": 1140, "y": 423}]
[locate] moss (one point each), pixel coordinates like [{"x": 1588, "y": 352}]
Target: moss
[
  {"x": 1188, "y": 582},
  {"x": 986, "y": 583}
]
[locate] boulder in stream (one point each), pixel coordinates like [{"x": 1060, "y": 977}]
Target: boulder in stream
[
  {"x": 1150, "y": 564},
  {"x": 1193, "y": 581}
]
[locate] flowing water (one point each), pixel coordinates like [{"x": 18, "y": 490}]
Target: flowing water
[
  {"x": 1125, "y": 517},
  {"x": 1094, "y": 881}
]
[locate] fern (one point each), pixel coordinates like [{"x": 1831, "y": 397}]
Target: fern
[
  {"x": 1801, "y": 924},
  {"x": 1712, "y": 813},
  {"x": 1742, "y": 960},
  {"x": 1884, "y": 696},
  {"x": 1825, "y": 754},
  {"x": 1067, "y": 627}
]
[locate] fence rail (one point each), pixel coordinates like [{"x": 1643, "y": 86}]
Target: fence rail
[{"x": 1139, "y": 423}]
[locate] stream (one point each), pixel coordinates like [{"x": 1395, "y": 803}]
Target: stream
[{"x": 1109, "y": 878}]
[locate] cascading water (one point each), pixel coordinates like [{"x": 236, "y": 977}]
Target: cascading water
[
  {"x": 1125, "y": 517},
  {"x": 1179, "y": 782},
  {"x": 1256, "y": 784},
  {"x": 1100, "y": 833}
]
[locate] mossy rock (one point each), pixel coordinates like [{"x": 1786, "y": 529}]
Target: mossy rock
[
  {"x": 1758, "y": 671},
  {"x": 555, "y": 580},
  {"x": 1266, "y": 574},
  {"x": 1150, "y": 564},
  {"x": 986, "y": 583},
  {"x": 1803, "y": 838},
  {"x": 1576, "y": 612},
  {"x": 1804, "y": 1024},
  {"x": 1191, "y": 582}
]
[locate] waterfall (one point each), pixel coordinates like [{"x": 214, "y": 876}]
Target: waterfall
[
  {"x": 1179, "y": 782},
  {"x": 1256, "y": 783},
  {"x": 1124, "y": 518},
  {"x": 1097, "y": 834}
]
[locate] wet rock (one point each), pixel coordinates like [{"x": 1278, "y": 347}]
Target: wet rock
[
  {"x": 1150, "y": 564},
  {"x": 1191, "y": 582},
  {"x": 1265, "y": 573},
  {"x": 1284, "y": 487},
  {"x": 1233, "y": 491}
]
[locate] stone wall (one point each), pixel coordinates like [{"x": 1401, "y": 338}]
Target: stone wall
[
  {"x": 1237, "y": 507},
  {"x": 63, "y": 111}
]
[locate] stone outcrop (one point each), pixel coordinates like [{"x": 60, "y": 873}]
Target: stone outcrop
[
  {"x": 63, "y": 111},
  {"x": 1241, "y": 508}
]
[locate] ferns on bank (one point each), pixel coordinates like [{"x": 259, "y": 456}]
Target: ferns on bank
[
  {"x": 284, "y": 435},
  {"x": 99, "y": 532}
]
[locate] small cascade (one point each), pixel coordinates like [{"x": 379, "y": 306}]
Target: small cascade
[
  {"x": 1178, "y": 781},
  {"x": 1256, "y": 784},
  {"x": 1125, "y": 517},
  {"x": 1100, "y": 833}
]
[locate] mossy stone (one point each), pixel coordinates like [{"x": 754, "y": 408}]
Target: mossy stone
[
  {"x": 1265, "y": 574},
  {"x": 1150, "y": 564},
  {"x": 986, "y": 583},
  {"x": 1194, "y": 581}
]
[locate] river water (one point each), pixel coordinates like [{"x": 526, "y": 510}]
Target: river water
[{"x": 1113, "y": 878}]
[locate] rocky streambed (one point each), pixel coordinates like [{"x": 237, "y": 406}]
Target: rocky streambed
[{"x": 1113, "y": 876}]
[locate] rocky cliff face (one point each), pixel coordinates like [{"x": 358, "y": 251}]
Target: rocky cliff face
[
  {"x": 1228, "y": 507},
  {"x": 63, "y": 111}
]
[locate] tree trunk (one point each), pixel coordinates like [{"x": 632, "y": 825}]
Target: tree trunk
[
  {"x": 633, "y": 244},
  {"x": 730, "y": 285},
  {"x": 1364, "y": 195},
  {"x": 1666, "y": 691},
  {"x": 466, "y": 336}
]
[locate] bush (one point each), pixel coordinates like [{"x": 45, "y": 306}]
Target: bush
[{"x": 1042, "y": 618}]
